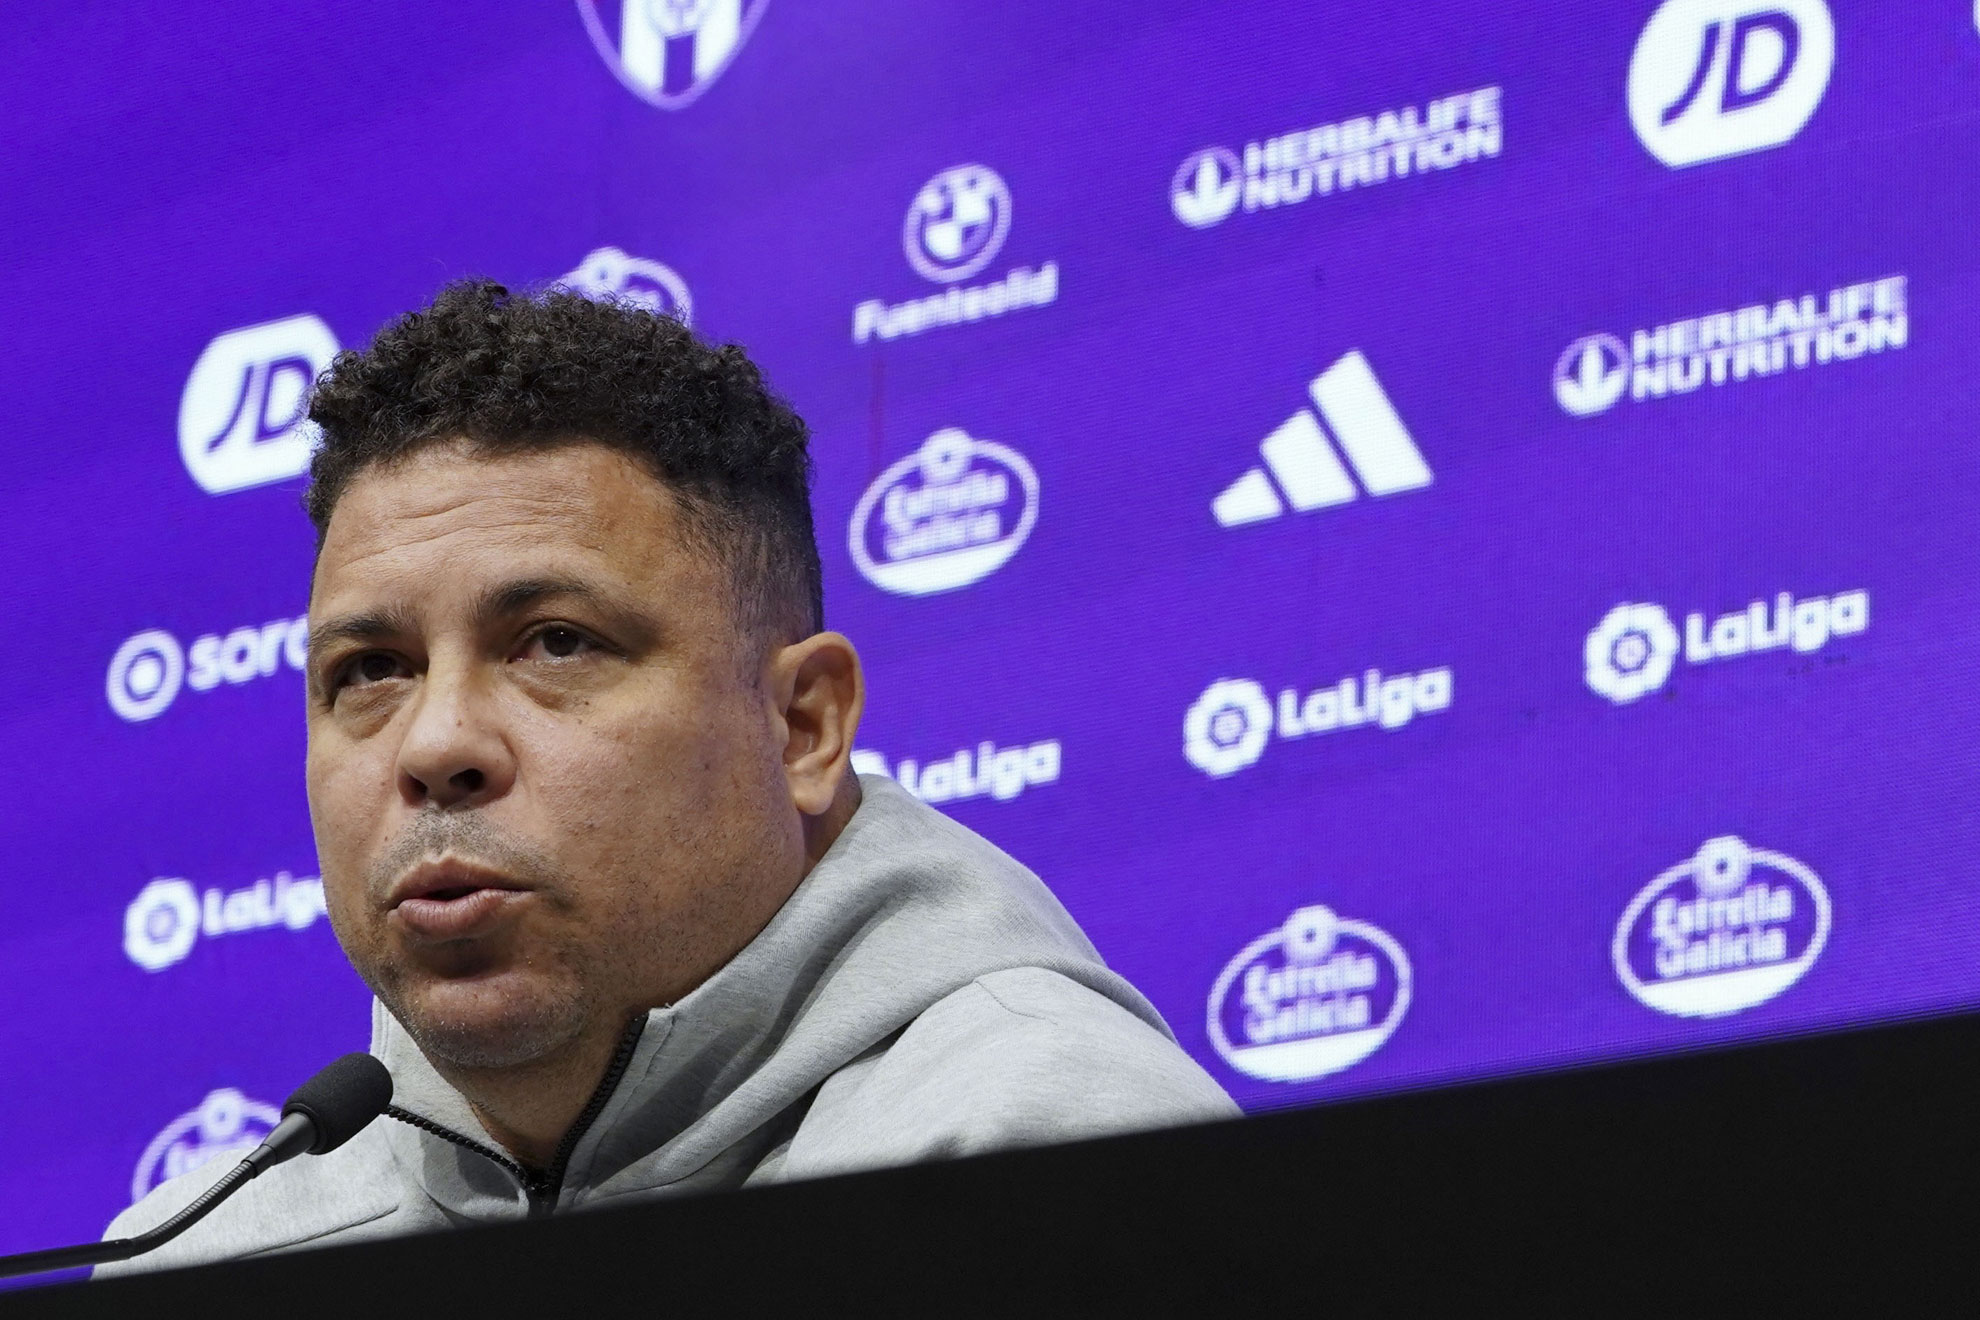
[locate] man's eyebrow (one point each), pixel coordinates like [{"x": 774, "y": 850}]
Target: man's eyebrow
[
  {"x": 364, "y": 626},
  {"x": 515, "y": 597}
]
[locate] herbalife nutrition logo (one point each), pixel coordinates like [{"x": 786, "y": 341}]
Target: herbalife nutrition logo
[
  {"x": 1211, "y": 184},
  {"x": 1306, "y": 468},
  {"x": 1729, "y": 348},
  {"x": 1632, "y": 652}
]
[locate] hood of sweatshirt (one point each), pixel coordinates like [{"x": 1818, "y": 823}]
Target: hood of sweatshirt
[{"x": 906, "y": 908}]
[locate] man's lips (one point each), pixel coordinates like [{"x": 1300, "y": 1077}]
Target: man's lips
[{"x": 451, "y": 900}]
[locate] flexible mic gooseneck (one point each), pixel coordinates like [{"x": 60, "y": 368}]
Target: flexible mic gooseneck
[{"x": 325, "y": 1112}]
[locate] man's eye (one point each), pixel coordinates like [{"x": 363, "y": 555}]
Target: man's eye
[
  {"x": 562, "y": 643},
  {"x": 373, "y": 667}
]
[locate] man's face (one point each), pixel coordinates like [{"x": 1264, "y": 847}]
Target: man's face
[{"x": 546, "y": 781}]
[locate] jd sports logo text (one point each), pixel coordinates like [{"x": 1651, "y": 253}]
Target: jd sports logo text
[
  {"x": 1227, "y": 728},
  {"x": 242, "y": 417},
  {"x": 1211, "y": 184},
  {"x": 1728, "y": 348},
  {"x": 667, "y": 52},
  {"x": 955, "y": 227},
  {"x": 1632, "y": 652},
  {"x": 1717, "y": 78},
  {"x": 1377, "y": 446},
  {"x": 149, "y": 669}
]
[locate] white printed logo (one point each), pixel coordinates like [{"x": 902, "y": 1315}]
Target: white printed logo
[
  {"x": 1717, "y": 78},
  {"x": 1319, "y": 994},
  {"x": 1721, "y": 348},
  {"x": 951, "y": 513},
  {"x": 668, "y": 52},
  {"x": 148, "y": 670},
  {"x": 226, "y": 1126},
  {"x": 1370, "y": 434},
  {"x": 609, "y": 273},
  {"x": 955, "y": 227},
  {"x": 1632, "y": 652},
  {"x": 1722, "y": 931},
  {"x": 1206, "y": 188},
  {"x": 990, "y": 771},
  {"x": 243, "y": 418},
  {"x": 1210, "y": 185},
  {"x": 168, "y": 916},
  {"x": 1226, "y": 729}
]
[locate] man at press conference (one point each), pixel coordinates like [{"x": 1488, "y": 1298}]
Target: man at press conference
[{"x": 578, "y": 770}]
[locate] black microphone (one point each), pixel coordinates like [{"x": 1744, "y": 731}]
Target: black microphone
[{"x": 325, "y": 1112}]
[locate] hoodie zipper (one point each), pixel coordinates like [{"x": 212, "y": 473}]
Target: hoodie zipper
[{"x": 542, "y": 1188}]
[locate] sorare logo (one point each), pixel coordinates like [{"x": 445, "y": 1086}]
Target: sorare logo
[
  {"x": 668, "y": 52},
  {"x": 949, "y": 514},
  {"x": 1312, "y": 997},
  {"x": 151, "y": 668},
  {"x": 1717, "y": 78},
  {"x": 243, "y": 415}
]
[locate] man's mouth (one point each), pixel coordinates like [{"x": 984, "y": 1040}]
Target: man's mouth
[{"x": 438, "y": 901}]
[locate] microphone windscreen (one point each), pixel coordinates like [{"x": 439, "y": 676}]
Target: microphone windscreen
[{"x": 347, "y": 1094}]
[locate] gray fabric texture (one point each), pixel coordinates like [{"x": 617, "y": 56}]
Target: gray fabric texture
[{"x": 920, "y": 996}]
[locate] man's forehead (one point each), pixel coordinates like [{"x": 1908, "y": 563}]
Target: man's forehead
[{"x": 454, "y": 520}]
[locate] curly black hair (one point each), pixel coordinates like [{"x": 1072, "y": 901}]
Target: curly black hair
[{"x": 517, "y": 372}]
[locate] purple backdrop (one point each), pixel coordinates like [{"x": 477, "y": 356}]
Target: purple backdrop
[{"x": 1443, "y": 531}]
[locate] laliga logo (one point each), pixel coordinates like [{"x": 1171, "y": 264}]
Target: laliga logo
[
  {"x": 957, "y": 223},
  {"x": 1206, "y": 187},
  {"x": 1631, "y": 653},
  {"x": 226, "y": 1126},
  {"x": 148, "y": 670},
  {"x": 1722, "y": 931},
  {"x": 1227, "y": 728},
  {"x": 950, "y": 514},
  {"x": 168, "y": 916},
  {"x": 668, "y": 52},
  {"x": 1717, "y": 78},
  {"x": 243, "y": 416},
  {"x": 1315, "y": 996},
  {"x": 610, "y": 274},
  {"x": 989, "y": 771}
]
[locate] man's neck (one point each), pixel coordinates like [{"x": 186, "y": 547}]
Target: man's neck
[{"x": 531, "y": 1108}]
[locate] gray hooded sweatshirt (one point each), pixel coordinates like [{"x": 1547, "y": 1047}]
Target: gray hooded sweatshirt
[{"x": 920, "y": 996}]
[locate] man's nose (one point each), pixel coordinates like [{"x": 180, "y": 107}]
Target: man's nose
[{"x": 453, "y": 753}]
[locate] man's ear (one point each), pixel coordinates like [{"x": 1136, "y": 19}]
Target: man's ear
[{"x": 821, "y": 691}]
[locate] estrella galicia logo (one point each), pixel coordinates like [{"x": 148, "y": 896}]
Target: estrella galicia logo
[
  {"x": 668, "y": 52},
  {"x": 949, "y": 514},
  {"x": 1722, "y": 931},
  {"x": 612, "y": 274},
  {"x": 243, "y": 418},
  {"x": 226, "y": 1126},
  {"x": 1317, "y": 995},
  {"x": 1206, "y": 187},
  {"x": 957, "y": 223},
  {"x": 1717, "y": 78}
]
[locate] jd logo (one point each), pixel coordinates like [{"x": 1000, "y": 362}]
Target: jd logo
[
  {"x": 241, "y": 418},
  {"x": 1716, "y": 78}
]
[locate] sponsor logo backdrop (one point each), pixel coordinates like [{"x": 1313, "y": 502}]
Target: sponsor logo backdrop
[{"x": 1444, "y": 534}]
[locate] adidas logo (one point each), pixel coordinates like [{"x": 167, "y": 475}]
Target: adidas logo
[{"x": 1306, "y": 468}]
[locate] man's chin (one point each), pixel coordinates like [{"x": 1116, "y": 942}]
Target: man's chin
[{"x": 503, "y": 1020}]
